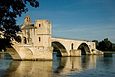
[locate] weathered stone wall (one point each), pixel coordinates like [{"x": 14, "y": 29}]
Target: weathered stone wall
[{"x": 67, "y": 43}]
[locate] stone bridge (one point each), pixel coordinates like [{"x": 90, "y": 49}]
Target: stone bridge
[
  {"x": 35, "y": 42},
  {"x": 70, "y": 47}
]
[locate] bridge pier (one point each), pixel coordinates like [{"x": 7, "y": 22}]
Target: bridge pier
[{"x": 75, "y": 53}]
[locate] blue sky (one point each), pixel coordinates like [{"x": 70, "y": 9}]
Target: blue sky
[{"x": 77, "y": 19}]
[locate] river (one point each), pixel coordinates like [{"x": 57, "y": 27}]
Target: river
[{"x": 85, "y": 66}]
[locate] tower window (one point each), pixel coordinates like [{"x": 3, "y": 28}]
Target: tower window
[
  {"x": 39, "y": 39},
  {"x": 39, "y": 25},
  {"x": 25, "y": 40},
  {"x": 72, "y": 46}
]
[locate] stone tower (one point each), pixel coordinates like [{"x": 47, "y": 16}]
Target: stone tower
[
  {"x": 38, "y": 37},
  {"x": 42, "y": 34},
  {"x": 27, "y": 28}
]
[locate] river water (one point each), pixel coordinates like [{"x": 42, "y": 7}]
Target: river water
[{"x": 85, "y": 66}]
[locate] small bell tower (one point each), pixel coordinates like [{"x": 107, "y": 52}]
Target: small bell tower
[
  {"x": 26, "y": 29},
  {"x": 27, "y": 20}
]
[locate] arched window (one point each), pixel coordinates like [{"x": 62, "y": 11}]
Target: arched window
[
  {"x": 18, "y": 39},
  {"x": 72, "y": 46}
]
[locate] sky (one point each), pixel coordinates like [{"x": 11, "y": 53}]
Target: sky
[{"x": 77, "y": 19}]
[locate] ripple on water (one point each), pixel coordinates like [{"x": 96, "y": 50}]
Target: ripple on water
[{"x": 88, "y": 66}]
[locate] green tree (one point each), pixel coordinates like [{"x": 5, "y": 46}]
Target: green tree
[
  {"x": 113, "y": 47},
  {"x": 101, "y": 45},
  {"x": 9, "y": 10},
  {"x": 108, "y": 44},
  {"x": 105, "y": 45}
]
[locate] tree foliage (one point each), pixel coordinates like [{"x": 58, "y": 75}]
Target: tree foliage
[
  {"x": 9, "y": 10},
  {"x": 4, "y": 43},
  {"x": 104, "y": 45}
]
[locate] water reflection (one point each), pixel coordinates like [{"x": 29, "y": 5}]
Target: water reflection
[
  {"x": 77, "y": 64},
  {"x": 29, "y": 69},
  {"x": 107, "y": 54},
  {"x": 60, "y": 66}
]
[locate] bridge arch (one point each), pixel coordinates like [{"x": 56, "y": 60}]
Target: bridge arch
[
  {"x": 20, "y": 52},
  {"x": 84, "y": 49},
  {"x": 59, "y": 48},
  {"x": 13, "y": 53}
]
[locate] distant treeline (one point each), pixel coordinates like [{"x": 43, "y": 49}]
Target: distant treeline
[{"x": 105, "y": 45}]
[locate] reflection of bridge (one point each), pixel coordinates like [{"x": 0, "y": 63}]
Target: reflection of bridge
[
  {"x": 60, "y": 67},
  {"x": 35, "y": 42},
  {"x": 77, "y": 64}
]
